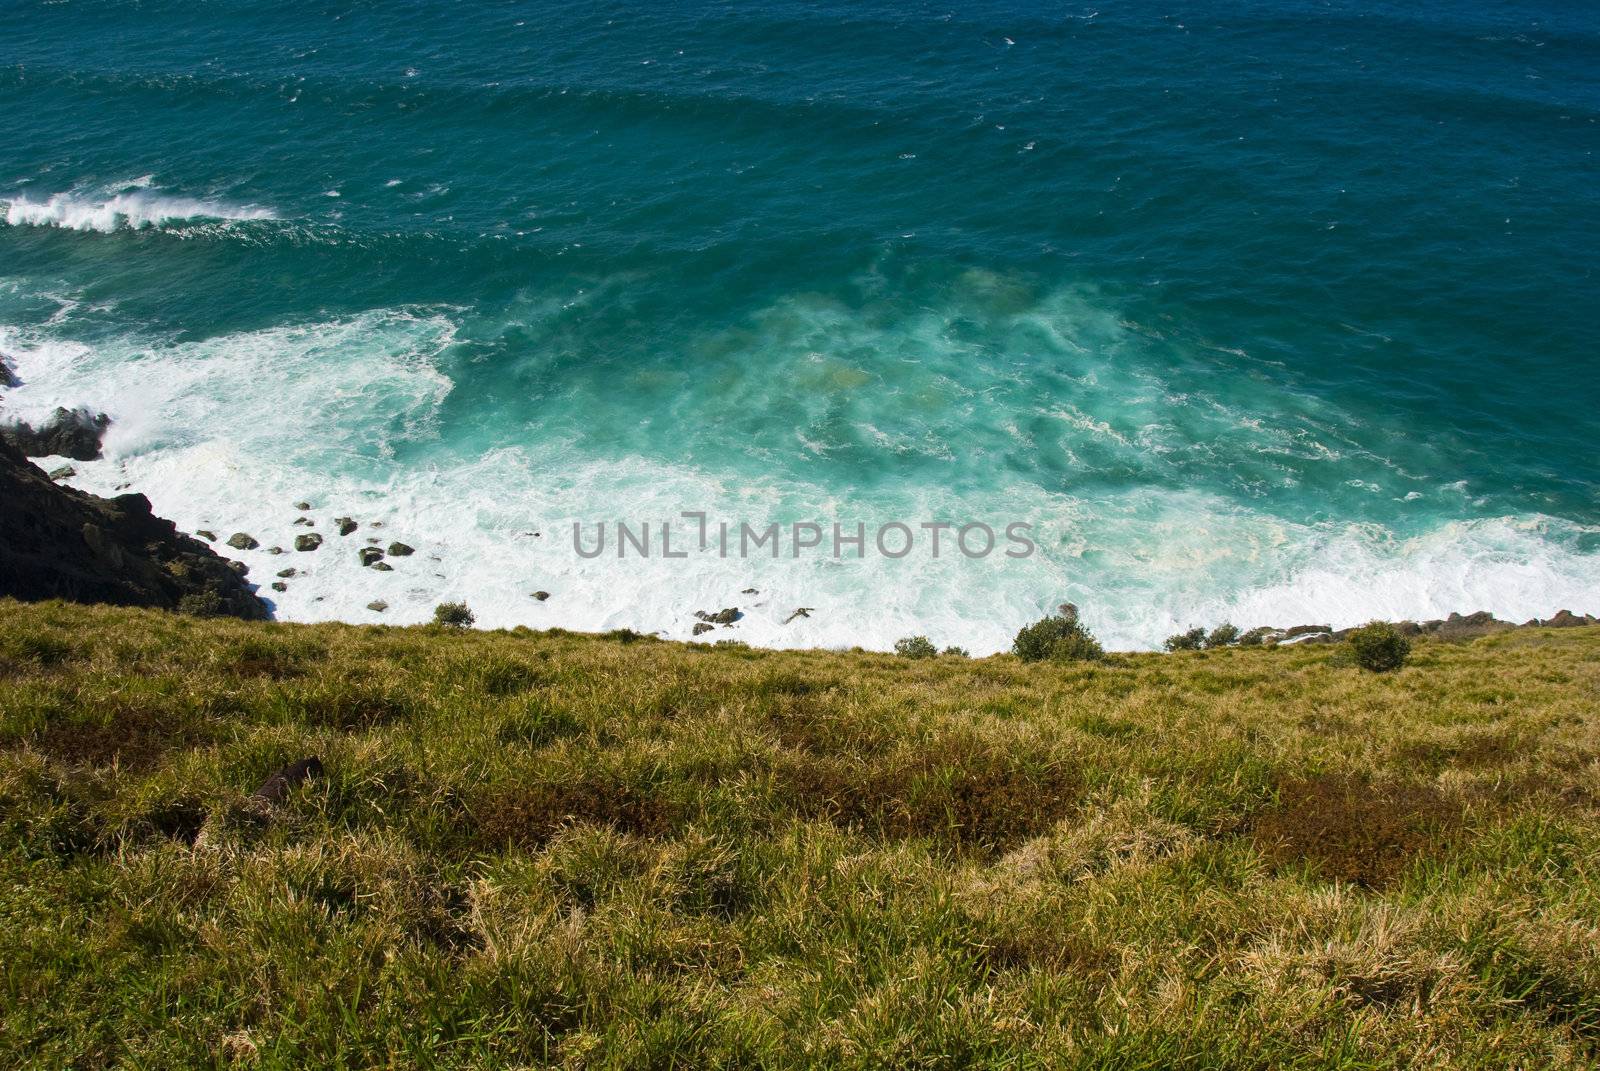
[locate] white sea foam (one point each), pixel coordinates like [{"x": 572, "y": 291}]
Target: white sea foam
[
  {"x": 133, "y": 209},
  {"x": 228, "y": 433}
]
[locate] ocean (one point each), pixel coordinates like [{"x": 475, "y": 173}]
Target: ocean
[{"x": 1272, "y": 312}]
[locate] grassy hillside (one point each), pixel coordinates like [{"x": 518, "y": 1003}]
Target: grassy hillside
[{"x": 536, "y": 849}]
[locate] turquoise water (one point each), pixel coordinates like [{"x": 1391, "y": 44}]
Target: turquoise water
[{"x": 1271, "y": 312}]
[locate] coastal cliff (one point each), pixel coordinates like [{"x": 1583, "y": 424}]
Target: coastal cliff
[{"x": 59, "y": 543}]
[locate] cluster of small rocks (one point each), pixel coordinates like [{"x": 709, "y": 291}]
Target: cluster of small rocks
[
  {"x": 708, "y": 620},
  {"x": 1455, "y": 627},
  {"x": 373, "y": 557}
]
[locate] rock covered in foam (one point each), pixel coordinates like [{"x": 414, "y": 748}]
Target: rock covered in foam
[{"x": 74, "y": 433}]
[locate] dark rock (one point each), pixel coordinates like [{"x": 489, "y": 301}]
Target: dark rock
[
  {"x": 703, "y": 627},
  {"x": 302, "y": 506},
  {"x": 370, "y": 555},
  {"x": 276, "y": 551},
  {"x": 278, "y": 585},
  {"x": 1567, "y": 619},
  {"x": 1468, "y": 626},
  {"x": 286, "y": 573},
  {"x": 74, "y": 433},
  {"x": 383, "y": 567},
  {"x": 541, "y": 595},
  {"x": 346, "y": 525},
  {"x": 377, "y": 605},
  {"x": 400, "y": 550},
  {"x": 275, "y": 789},
  {"x": 1307, "y": 639},
  {"x": 309, "y": 541},
  {"x": 1473, "y": 620},
  {"x": 307, "y": 521},
  {"x": 725, "y": 616},
  {"x": 242, "y": 541},
  {"x": 239, "y": 567},
  {"x": 1408, "y": 628},
  {"x": 749, "y": 591},
  {"x": 8, "y": 378},
  {"x": 1305, "y": 630},
  {"x": 803, "y": 611},
  {"x": 60, "y": 543},
  {"x": 207, "y": 534},
  {"x": 63, "y": 472}
]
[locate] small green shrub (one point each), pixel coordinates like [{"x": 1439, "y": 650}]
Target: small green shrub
[
  {"x": 1379, "y": 647},
  {"x": 1254, "y": 637},
  {"x": 1192, "y": 640},
  {"x": 915, "y": 647},
  {"x": 1224, "y": 635},
  {"x": 957, "y": 652},
  {"x": 1061, "y": 637},
  {"x": 453, "y": 615},
  {"x": 205, "y": 603}
]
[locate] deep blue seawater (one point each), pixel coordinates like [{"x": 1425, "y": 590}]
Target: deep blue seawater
[{"x": 1273, "y": 311}]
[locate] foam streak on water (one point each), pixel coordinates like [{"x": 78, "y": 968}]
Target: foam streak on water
[{"x": 133, "y": 209}]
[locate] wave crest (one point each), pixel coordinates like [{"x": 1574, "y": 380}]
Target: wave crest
[{"x": 131, "y": 210}]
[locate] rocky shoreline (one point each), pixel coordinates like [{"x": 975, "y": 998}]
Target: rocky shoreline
[
  {"x": 1456, "y": 626},
  {"x": 58, "y": 542}
]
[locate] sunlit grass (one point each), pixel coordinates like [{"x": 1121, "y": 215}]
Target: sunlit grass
[{"x": 546, "y": 849}]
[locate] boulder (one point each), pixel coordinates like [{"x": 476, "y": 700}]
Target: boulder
[
  {"x": 278, "y": 585},
  {"x": 377, "y": 606},
  {"x": 1305, "y": 630},
  {"x": 74, "y": 433},
  {"x": 276, "y": 551},
  {"x": 1473, "y": 620},
  {"x": 400, "y": 550},
  {"x": 802, "y": 611},
  {"x": 726, "y": 616},
  {"x": 63, "y": 472},
  {"x": 309, "y": 541},
  {"x": 206, "y": 534},
  {"x": 541, "y": 595},
  {"x": 302, "y": 506},
  {"x": 383, "y": 567},
  {"x": 60, "y": 543},
  {"x": 275, "y": 789},
  {"x": 370, "y": 555},
  {"x": 242, "y": 541},
  {"x": 8, "y": 378},
  {"x": 346, "y": 525},
  {"x": 703, "y": 627},
  {"x": 1567, "y": 619},
  {"x": 1467, "y": 626},
  {"x": 286, "y": 573},
  {"x": 749, "y": 591}
]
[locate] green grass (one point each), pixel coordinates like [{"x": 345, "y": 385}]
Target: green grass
[{"x": 546, "y": 849}]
